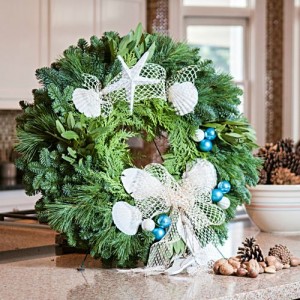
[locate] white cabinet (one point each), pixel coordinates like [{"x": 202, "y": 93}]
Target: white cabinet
[
  {"x": 20, "y": 35},
  {"x": 34, "y": 33}
]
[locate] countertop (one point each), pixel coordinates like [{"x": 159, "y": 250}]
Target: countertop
[{"x": 42, "y": 275}]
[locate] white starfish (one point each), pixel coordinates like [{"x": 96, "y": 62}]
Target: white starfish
[{"x": 130, "y": 79}]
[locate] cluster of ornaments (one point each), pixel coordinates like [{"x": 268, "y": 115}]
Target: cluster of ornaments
[
  {"x": 205, "y": 138},
  {"x": 217, "y": 194},
  {"x": 164, "y": 223}
]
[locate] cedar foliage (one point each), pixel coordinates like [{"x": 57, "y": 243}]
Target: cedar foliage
[{"x": 75, "y": 162}]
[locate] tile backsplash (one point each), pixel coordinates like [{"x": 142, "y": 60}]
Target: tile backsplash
[{"x": 8, "y": 133}]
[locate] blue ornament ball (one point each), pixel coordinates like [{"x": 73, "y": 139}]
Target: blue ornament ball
[
  {"x": 164, "y": 221},
  {"x": 205, "y": 145},
  {"x": 216, "y": 195},
  {"x": 224, "y": 186},
  {"x": 158, "y": 233},
  {"x": 210, "y": 133}
]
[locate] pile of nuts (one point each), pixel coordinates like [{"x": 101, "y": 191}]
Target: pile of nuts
[{"x": 251, "y": 268}]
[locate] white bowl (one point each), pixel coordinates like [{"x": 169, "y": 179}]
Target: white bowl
[{"x": 275, "y": 208}]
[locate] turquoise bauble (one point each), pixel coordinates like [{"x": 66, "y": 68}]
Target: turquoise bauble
[
  {"x": 158, "y": 233},
  {"x": 216, "y": 195},
  {"x": 210, "y": 134},
  {"x": 164, "y": 221},
  {"x": 205, "y": 145},
  {"x": 224, "y": 186}
]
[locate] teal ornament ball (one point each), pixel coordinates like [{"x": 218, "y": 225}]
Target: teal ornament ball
[
  {"x": 210, "y": 134},
  {"x": 216, "y": 195},
  {"x": 164, "y": 221},
  {"x": 158, "y": 233},
  {"x": 205, "y": 145},
  {"x": 224, "y": 186}
]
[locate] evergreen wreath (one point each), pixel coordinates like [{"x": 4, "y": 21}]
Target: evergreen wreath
[{"x": 75, "y": 160}]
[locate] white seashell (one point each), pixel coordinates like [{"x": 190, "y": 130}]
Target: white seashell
[
  {"x": 148, "y": 225},
  {"x": 199, "y": 135},
  {"x": 184, "y": 97},
  {"x": 224, "y": 203},
  {"x": 126, "y": 217},
  {"x": 87, "y": 102},
  {"x": 201, "y": 175}
]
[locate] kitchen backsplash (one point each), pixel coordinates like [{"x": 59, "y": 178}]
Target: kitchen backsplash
[{"x": 8, "y": 134}]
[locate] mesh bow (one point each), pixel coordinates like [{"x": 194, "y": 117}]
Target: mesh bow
[{"x": 188, "y": 202}]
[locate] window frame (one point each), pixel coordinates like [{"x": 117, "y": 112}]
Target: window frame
[{"x": 213, "y": 21}]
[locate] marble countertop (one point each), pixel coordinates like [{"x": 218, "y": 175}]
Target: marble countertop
[{"x": 56, "y": 277}]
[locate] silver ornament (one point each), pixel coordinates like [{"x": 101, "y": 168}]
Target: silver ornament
[
  {"x": 224, "y": 203},
  {"x": 199, "y": 135},
  {"x": 148, "y": 225}
]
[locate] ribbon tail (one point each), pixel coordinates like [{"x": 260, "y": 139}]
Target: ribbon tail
[
  {"x": 186, "y": 232},
  {"x": 197, "y": 257}
]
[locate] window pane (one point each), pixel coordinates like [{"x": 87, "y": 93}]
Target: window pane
[
  {"x": 222, "y": 44},
  {"x": 229, "y": 3}
]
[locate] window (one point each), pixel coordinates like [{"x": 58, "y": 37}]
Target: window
[
  {"x": 232, "y": 33},
  {"x": 222, "y": 41}
]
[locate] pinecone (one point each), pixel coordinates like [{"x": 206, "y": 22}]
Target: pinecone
[
  {"x": 279, "y": 155},
  {"x": 263, "y": 177},
  {"x": 297, "y": 149},
  {"x": 251, "y": 250},
  {"x": 286, "y": 145},
  {"x": 284, "y": 176},
  {"x": 282, "y": 253}
]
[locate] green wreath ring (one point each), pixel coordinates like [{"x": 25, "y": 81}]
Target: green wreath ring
[{"x": 75, "y": 151}]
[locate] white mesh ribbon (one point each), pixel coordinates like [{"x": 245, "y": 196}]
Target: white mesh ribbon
[
  {"x": 182, "y": 92},
  {"x": 187, "y": 74},
  {"x": 90, "y": 101},
  {"x": 142, "y": 81},
  {"x": 189, "y": 202}
]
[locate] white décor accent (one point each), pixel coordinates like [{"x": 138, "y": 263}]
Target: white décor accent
[
  {"x": 87, "y": 102},
  {"x": 148, "y": 225},
  {"x": 130, "y": 79},
  {"x": 184, "y": 97},
  {"x": 90, "y": 101},
  {"x": 198, "y": 136},
  {"x": 126, "y": 217},
  {"x": 224, "y": 202}
]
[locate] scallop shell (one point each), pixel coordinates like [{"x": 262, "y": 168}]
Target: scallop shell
[
  {"x": 126, "y": 217},
  {"x": 184, "y": 97},
  {"x": 87, "y": 102},
  {"x": 224, "y": 203}
]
